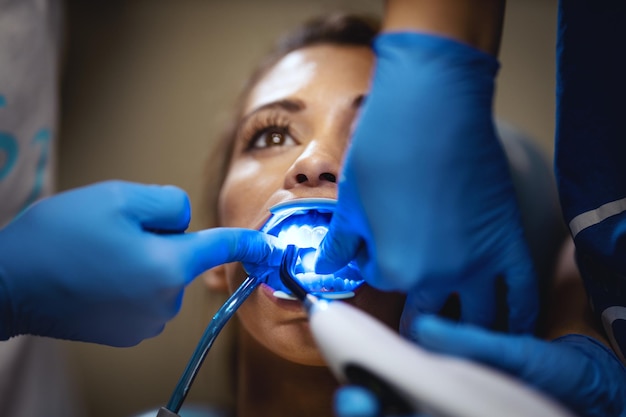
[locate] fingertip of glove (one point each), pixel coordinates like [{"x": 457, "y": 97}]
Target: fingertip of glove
[
  {"x": 179, "y": 197},
  {"x": 335, "y": 252},
  {"x": 353, "y": 401},
  {"x": 275, "y": 257},
  {"x": 422, "y": 326},
  {"x": 160, "y": 208},
  {"x": 431, "y": 331},
  {"x": 323, "y": 265},
  {"x": 325, "y": 262}
]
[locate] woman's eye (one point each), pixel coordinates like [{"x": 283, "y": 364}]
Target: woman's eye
[{"x": 271, "y": 138}]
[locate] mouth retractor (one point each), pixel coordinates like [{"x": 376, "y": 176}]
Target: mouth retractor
[{"x": 303, "y": 224}]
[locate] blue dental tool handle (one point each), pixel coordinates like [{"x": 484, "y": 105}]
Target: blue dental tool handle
[
  {"x": 208, "y": 337},
  {"x": 362, "y": 350}
]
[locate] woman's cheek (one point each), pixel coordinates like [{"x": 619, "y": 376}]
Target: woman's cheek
[
  {"x": 250, "y": 190},
  {"x": 239, "y": 194}
]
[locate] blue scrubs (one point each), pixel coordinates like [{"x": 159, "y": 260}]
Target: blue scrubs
[{"x": 590, "y": 152}]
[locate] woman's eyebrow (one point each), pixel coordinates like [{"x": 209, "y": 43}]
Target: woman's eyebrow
[{"x": 289, "y": 105}]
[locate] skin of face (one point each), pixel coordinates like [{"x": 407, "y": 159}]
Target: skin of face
[{"x": 290, "y": 144}]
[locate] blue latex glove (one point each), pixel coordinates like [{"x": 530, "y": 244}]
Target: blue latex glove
[
  {"x": 356, "y": 401},
  {"x": 88, "y": 264},
  {"x": 577, "y": 370},
  {"x": 426, "y": 202}
]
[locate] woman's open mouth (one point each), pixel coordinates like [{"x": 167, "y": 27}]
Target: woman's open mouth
[{"x": 304, "y": 223}]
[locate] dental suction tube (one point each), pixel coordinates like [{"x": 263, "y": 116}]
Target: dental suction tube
[
  {"x": 406, "y": 378},
  {"x": 302, "y": 221},
  {"x": 210, "y": 334}
]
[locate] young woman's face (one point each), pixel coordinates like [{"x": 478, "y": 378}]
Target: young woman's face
[{"x": 290, "y": 143}]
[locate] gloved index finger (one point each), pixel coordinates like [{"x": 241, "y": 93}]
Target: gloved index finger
[
  {"x": 213, "y": 247},
  {"x": 468, "y": 341}
]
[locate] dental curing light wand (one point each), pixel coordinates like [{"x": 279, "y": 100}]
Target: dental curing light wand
[{"x": 406, "y": 378}]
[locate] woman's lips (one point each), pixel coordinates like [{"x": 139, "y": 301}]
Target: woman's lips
[
  {"x": 290, "y": 305},
  {"x": 295, "y": 305}
]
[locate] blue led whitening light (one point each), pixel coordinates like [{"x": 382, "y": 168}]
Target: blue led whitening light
[{"x": 304, "y": 223}]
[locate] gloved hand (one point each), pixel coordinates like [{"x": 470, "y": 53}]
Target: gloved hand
[
  {"x": 89, "y": 265},
  {"x": 356, "y": 401},
  {"x": 575, "y": 369},
  {"x": 426, "y": 202}
]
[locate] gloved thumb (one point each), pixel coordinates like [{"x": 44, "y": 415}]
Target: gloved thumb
[{"x": 340, "y": 245}]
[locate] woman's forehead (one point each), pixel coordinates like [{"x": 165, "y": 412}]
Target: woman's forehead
[{"x": 308, "y": 72}]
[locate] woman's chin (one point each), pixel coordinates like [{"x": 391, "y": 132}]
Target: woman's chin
[
  {"x": 306, "y": 357},
  {"x": 294, "y": 343}
]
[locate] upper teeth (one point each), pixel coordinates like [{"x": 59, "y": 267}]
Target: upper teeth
[{"x": 302, "y": 236}]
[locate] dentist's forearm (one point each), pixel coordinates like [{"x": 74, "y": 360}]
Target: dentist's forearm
[{"x": 475, "y": 22}]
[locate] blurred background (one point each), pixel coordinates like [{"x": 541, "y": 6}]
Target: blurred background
[{"x": 148, "y": 86}]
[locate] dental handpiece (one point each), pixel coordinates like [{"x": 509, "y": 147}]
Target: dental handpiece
[{"x": 405, "y": 377}]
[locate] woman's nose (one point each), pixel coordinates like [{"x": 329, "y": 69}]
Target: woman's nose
[{"x": 317, "y": 166}]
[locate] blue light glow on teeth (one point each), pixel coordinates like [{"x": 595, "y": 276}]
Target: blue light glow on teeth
[
  {"x": 303, "y": 236},
  {"x": 304, "y": 223}
]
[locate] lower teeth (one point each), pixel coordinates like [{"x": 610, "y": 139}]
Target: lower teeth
[{"x": 329, "y": 295}]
